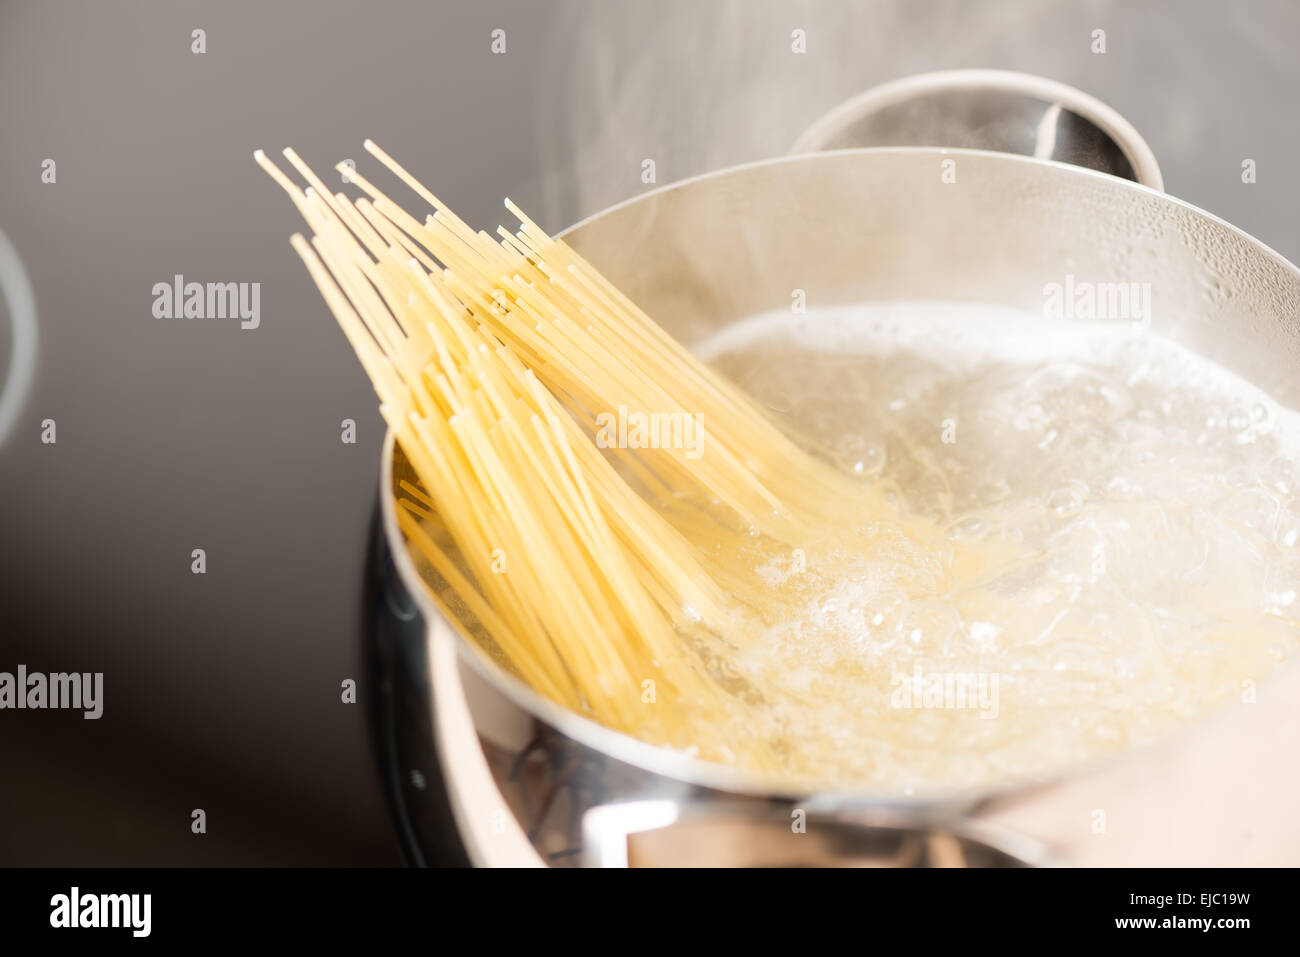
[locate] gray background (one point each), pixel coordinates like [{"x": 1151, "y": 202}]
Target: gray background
[{"x": 222, "y": 690}]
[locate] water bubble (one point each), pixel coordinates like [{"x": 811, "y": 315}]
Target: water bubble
[
  {"x": 1282, "y": 599},
  {"x": 1067, "y": 501},
  {"x": 1034, "y": 417},
  {"x": 972, "y": 528},
  {"x": 1254, "y": 508}
]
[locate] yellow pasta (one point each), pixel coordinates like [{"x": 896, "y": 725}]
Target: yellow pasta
[{"x": 604, "y": 577}]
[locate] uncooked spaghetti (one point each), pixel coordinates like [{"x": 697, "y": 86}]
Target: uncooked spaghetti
[
  {"x": 718, "y": 588},
  {"x": 493, "y": 359},
  {"x": 616, "y": 578}
]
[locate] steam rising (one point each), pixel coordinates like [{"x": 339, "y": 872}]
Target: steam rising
[
  {"x": 697, "y": 86},
  {"x": 715, "y": 84}
]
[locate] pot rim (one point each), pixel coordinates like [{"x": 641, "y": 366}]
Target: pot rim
[{"x": 695, "y": 771}]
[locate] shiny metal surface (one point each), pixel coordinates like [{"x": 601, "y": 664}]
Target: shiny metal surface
[
  {"x": 755, "y": 834},
  {"x": 858, "y": 226}
]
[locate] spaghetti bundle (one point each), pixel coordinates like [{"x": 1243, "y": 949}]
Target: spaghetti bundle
[
  {"x": 732, "y": 595},
  {"x": 493, "y": 359}
]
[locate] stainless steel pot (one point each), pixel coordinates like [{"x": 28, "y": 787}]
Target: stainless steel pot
[{"x": 529, "y": 783}]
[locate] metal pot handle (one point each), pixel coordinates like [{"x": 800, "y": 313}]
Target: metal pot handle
[{"x": 995, "y": 110}]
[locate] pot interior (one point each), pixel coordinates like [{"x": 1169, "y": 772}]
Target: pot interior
[{"x": 887, "y": 225}]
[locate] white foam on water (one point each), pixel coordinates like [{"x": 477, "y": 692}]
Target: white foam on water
[{"x": 1150, "y": 497}]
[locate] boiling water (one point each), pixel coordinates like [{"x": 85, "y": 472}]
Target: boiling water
[{"x": 1118, "y": 548}]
